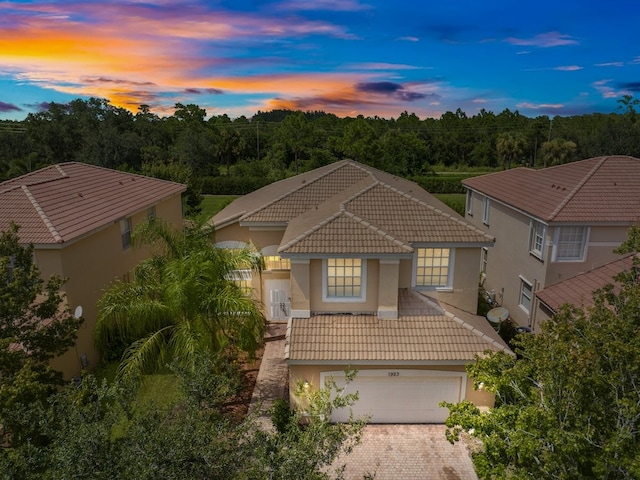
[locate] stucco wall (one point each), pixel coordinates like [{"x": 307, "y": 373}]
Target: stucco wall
[{"x": 90, "y": 264}]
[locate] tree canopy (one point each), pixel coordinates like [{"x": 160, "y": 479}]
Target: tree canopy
[{"x": 569, "y": 405}]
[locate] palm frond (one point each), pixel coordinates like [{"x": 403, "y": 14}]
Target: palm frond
[{"x": 145, "y": 355}]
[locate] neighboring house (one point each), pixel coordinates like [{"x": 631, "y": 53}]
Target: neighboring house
[
  {"x": 551, "y": 224},
  {"x": 372, "y": 272},
  {"x": 578, "y": 290},
  {"x": 79, "y": 218}
]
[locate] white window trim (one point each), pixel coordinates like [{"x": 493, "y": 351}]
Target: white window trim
[
  {"x": 449, "y": 286},
  {"x": 532, "y": 239},
  {"x": 585, "y": 245},
  {"x": 469, "y": 205},
  {"x": 126, "y": 228},
  {"x": 486, "y": 209},
  {"x": 363, "y": 285},
  {"x": 524, "y": 281},
  {"x": 484, "y": 261}
]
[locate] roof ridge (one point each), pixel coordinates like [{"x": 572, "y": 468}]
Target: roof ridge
[
  {"x": 299, "y": 187},
  {"x": 459, "y": 221},
  {"x": 52, "y": 229},
  {"x": 463, "y": 323},
  {"x": 575, "y": 189},
  {"x": 379, "y": 231}
]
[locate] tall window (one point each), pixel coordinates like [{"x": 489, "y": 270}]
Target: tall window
[
  {"x": 11, "y": 265},
  {"x": 242, "y": 278},
  {"x": 486, "y": 207},
  {"x": 344, "y": 278},
  {"x": 469, "y": 202},
  {"x": 570, "y": 244},
  {"x": 151, "y": 213},
  {"x": 432, "y": 267},
  {"x": 125, "y": 232},
  {"x": 536, "y": 241},
  {"x": 526, "y": 294},
  {"x": 483, "y": 261}
]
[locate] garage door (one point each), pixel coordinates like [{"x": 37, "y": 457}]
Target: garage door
[{"x": 401, "y": 396}]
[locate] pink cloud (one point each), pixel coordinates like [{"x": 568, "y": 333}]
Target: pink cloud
[{"x": 545, "y": 40}]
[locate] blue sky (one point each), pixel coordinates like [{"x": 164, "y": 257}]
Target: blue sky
[{"x": 348, "y": 57}]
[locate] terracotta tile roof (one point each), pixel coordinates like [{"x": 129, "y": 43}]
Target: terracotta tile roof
[
  {"x": 578, "y": 290},
  {"x": 62, "y": 202},
  {"x": 348, "y": 208},
  {"x": 602, "y": 189},
  {"x": 423, "y": 332}
]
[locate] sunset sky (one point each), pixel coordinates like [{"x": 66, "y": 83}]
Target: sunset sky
[{"x": 349, "y": 57}]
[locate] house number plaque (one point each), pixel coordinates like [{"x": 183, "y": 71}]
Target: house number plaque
[{"x": 394, "y": 374}]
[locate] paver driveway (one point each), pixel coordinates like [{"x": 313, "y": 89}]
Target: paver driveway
[
  {"x": 391, "y": 452},
  {"x": 408, "y": 452}
]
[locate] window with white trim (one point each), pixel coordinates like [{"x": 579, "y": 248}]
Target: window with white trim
[
  {"x": 344, "y": 278},
  {"x": 433, "y": 267},
  {"x": 486, "y": 208},
  {"x": 469, "y": 202},
  {"x": 125, "y": 232},
  {"x": 526, "y": 294},
  {"x": 483, "y": 261},
  {"x": 536, "y": 239},
  {"x": 570, "y": 244},
  {"x": 151, "y": 213}
]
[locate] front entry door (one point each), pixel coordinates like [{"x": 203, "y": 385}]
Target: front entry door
[{"x": 278, "y": 301}]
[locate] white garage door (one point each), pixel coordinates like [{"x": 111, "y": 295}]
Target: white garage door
[{"x": 401, "y": 396}]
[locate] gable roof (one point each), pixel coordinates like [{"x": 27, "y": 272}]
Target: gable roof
[
  {"x": 62, "y": 202},
  {"x": 424, "y": 332},
  {"x": 578, "y": 290},
  {"x": 346, "y": 208},
  {"x": 601, "y": 189}
]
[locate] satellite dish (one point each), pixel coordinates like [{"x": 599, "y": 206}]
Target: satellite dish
[{"x": 78, "y": 311}]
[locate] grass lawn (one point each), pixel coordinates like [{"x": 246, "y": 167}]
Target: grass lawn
[
  {"x": 212, "y": 204},
  {"x": 456, "y": 201}
]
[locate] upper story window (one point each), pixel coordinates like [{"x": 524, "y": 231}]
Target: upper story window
[
  {"x": 125, "y": 232},
  {"x": 433, "y": 267},
  {"x": 570, "y": 244},
  {"x": 486, "y": 208},
  {"x": 469, "y": 203},
  {"x": 526, "y": 294},
  {"x": 536, "y": 239},
  {"x": 344, "y": 279}
]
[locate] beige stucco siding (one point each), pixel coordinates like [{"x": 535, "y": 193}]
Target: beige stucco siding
[{"x": 90, "y": 265}]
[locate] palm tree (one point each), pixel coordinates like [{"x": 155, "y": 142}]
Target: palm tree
[
  {"x": 182, "y": 303},
  {"x": 510, "y": 148}
]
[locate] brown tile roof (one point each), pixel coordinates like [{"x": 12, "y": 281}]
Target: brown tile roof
[
  {"x": 424, "y": 332},
  {"x": 602, "y": 189},
  {"x": 578, "y": 290},
  {"x": 349, "y": 208},
  {"x": 65, "y": 201}
]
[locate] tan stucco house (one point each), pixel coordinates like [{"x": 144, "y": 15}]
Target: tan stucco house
[
  {"x": 80, "y": 218},
  {"x": 370, "y": 271},
  {"x": 551, "y": 225}
]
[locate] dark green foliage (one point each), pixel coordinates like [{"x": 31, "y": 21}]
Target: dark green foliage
[
  {"x": 567, "y": 406},
  {"x": 34, "y": 328},
  {"x": 282, "y": 416}
]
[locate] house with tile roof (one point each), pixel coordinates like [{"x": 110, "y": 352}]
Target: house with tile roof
[
  {"x": 578, "y": 290},
  {"x": 79, "y": 218},
  {"x": 551, "y": 225},
  {"x": 370, "y": 271}
]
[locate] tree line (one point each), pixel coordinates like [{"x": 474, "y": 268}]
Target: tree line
[{"x": 238, "y": 155}]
